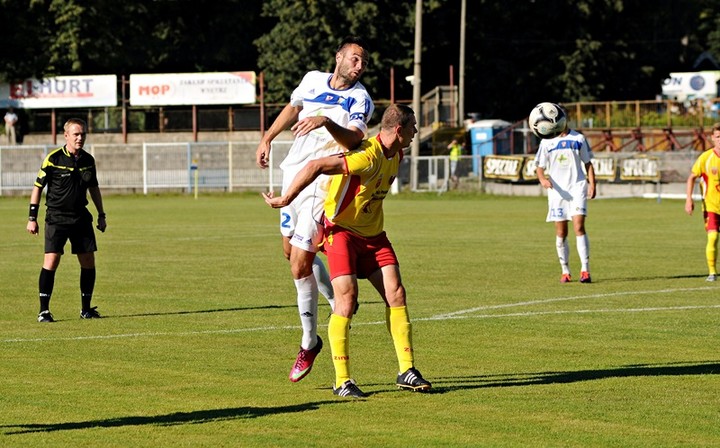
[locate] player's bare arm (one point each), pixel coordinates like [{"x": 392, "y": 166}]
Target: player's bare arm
[
  {"x": 348, "y": 138},
  {"x": 592, "y": 190},
  {"x": 96, "y": 197},
  {"x": 544, "y": 181},
  {"x": 329, "y": 165},
  {"x": 287, "y": 116},
  {"x": 689, "y": 204}
]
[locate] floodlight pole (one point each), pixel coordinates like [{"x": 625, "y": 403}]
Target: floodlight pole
[
  {"x": 461, "y": 81},
  {"x": 415, "y": 149}
]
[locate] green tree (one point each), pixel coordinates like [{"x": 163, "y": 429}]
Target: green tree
[
  {"x": 24, "y": 49},
  {"x": 517, "y": 53},
  {"x": 306, "y": 33}
]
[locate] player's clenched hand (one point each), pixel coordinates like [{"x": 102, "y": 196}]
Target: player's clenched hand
[
  {"x": 274, "y": 202},
  {"x": 546, "y": 184},
  {"x": 33, "y": 227},
  {"x": 689, "y": 207},
  {"x": 308, "y": 124},
  {"x": 262, "y": 155},
  {"x": 102, "y": 224}
]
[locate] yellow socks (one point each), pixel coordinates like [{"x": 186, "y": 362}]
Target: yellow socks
[
  {"x": 711, "y": 251},
  {"x": 398, "y": 323},
  {"x": 338, "y": 330}
]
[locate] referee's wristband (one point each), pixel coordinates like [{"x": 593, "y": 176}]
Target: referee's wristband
[{"x": 33, "y": 214}]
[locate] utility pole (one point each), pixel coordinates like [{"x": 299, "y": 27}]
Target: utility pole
[
  {"x": 415, "y": 149},
  {"x": 461, "y": 81}
]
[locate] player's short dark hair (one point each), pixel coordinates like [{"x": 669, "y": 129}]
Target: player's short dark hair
[
  {"x": 715, "y": 127},
  {"x": 396, "y": 115},
  {"x": 352, "y": 40}
]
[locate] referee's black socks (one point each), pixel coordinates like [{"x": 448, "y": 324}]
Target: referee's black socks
[
  {"x": 87, "y": 285},
  {"x": 45, "y": 286}
]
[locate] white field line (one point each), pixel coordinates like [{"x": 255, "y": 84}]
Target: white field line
[
  {"x": 461, "y": 314},
  {"x": 562, "y": 299}
]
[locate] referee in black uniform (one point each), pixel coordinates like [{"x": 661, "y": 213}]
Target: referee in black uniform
[{"x": 69, "y": 174}]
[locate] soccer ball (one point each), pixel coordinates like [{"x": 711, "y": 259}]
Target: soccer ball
[{"x": 547, "y": 120}]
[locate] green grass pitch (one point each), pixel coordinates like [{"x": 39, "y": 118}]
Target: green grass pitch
[{"x": 201, "y": 330}]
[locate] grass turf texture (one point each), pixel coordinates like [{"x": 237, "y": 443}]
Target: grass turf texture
[{"x": 202, "y": 329}]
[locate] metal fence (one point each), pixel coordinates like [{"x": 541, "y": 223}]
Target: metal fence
[
  {"x": 230, "y": 166},
  {"x": 152, "y": 167}
]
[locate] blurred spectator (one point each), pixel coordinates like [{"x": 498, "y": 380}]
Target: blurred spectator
[{"x": 10, "y": 120}]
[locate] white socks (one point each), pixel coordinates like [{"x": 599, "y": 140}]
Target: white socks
[
  {"x": 583, "y": 248},
  {"x": 323, "y": 281},
  {"x": 563, "y": 252},
  {"x": 307, "y": 300}
]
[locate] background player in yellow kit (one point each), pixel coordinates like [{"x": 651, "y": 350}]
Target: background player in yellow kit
[{"x": 707, "y": 168}]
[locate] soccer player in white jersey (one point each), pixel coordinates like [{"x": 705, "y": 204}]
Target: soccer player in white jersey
[
  {"x": 565, "y": 169},
  {"x": 328, "y": 112}
]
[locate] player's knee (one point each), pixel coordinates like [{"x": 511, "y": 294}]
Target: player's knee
[{"x": 396, "y": 296}]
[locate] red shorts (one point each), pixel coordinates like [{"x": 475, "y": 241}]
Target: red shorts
[
  {"x": 712, "y": 221},
  {"x": 349, "y": 254}
]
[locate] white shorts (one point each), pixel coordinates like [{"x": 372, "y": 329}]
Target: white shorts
[
  {"x": 564, "y": 204},
  {"x": 301, "y": 221}
]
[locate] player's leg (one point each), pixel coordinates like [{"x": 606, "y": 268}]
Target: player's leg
[
  {"x": 563, "y": 249},
  {"x": 46, "y": 284},
  {"x": 55, "y": 239},
  {"x": 583, "y": 247},
  {"x": 712, "y": 222},
  {"x": 306, "y": 237},
  {"x": 301, "y": 265},
  {"x": 341, "y": 257},
  {"x": 323, "y": 281},
  {"x": 346, "y": 289},
  {"x": 558, "y": 214},
  {"x": 84, "y": 246},
  {"x": 388, "y": 283},
  {"x": 87, "y": 285}
]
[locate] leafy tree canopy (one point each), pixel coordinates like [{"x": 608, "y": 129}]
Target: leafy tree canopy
[{"x": 517, "y": 53}]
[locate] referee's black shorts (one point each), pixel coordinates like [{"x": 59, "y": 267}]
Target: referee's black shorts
[{"x": 81, "y": 236}]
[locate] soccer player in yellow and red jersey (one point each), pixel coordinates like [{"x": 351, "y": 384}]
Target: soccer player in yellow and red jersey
[
  {"x": 356, "y": 244},
  {"x": 707, "y": 168},
  {"x": 327, "y": 113}
]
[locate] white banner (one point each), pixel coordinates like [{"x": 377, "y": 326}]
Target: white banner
[
  {"x": 182, "y": 89},
  {"x": 691, "y": 85},
  {"x": 61, "y": 92}
]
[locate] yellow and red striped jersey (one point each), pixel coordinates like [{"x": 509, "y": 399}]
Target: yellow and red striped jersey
[{"x": 355, "y": 199}]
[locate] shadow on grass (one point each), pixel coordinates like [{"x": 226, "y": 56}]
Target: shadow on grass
[
  {"x": 451, "y": 384},
  {"x": 225, "y": 310},
  {"x": 217, "y": 310},
  {"x": 176, "y": 418},
  {"x": 653, "y": 277}
]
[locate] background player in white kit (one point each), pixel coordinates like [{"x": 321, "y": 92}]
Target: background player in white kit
[
  {"x": 332, "y": 111},
  {"x": 560, "y": 162}
]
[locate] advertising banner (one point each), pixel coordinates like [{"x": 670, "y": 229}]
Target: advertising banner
[
  {"x": 503, "y": 167},
  {"x": 640, "y": 168},
  {"x": 522, "y": 168},
  {"x": 691, "y": 85},
  {"x": 61, "y": 92},
  {"x": 184, "y": 89},
  {"x": 605, "y": 168}
]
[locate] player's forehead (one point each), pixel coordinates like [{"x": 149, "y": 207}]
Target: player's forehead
[
  {"x": 76, "y": 129},
  {"x": 355, "y": 50}
]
